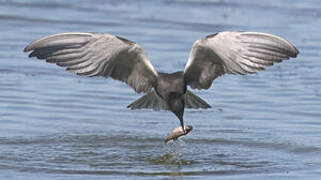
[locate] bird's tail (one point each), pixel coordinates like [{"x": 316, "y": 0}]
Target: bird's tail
[
  {"x": 195, "y": 102},
  {"x": 149, "y": 101},
  {"x": 152, "y": 101}
]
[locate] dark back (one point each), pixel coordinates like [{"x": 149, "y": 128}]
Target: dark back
[{"x": 170, "y": 85}]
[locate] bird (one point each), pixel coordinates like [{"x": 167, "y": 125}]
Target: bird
[{"x": 107, "y": 55}]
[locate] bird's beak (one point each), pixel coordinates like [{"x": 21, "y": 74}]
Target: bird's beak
[{"x": 182, "y": 124}]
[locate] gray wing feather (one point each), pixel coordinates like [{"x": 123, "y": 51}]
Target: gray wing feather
[
  {"x": 97, "y": 54},
  {"x": 234, "y": 53}
]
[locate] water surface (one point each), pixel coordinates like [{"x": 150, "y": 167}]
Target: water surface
[{"x": 56, "y": 125}]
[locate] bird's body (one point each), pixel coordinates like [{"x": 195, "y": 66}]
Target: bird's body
[
  {"x": 172, "y": 88},
  {"x": 170, "y": 84},
  {"x": 98, "y": 54}
]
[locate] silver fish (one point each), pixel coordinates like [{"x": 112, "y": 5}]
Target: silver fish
[{"x": 178, "y": 132}]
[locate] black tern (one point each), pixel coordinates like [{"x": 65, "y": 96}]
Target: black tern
[{"x": 100, "y": 54}]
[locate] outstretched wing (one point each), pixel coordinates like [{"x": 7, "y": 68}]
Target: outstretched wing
[
  {"x": 234, "y": 53},
  {"x": 97, "y": 54}
]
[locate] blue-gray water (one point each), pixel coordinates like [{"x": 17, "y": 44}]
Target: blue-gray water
[{"x": 56, "y": 125}]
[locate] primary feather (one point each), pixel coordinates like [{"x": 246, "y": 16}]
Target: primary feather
[
  {"x": 97, "y": 54},
  {"x": 233, "y": 53}
]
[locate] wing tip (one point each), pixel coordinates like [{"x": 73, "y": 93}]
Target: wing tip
[
  {"x": 27, "y": 48},
  {"x": 295, "y": 53},
  {"x": 42, "y": 41},
  {"x": 130, "y": 106}
]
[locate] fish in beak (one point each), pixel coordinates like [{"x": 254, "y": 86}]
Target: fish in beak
[{"x": 178, "y": 132}]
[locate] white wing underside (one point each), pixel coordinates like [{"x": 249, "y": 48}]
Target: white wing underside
[
  {"x": 233, "y": 53},
  {"x": 97, "y": 54}
]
